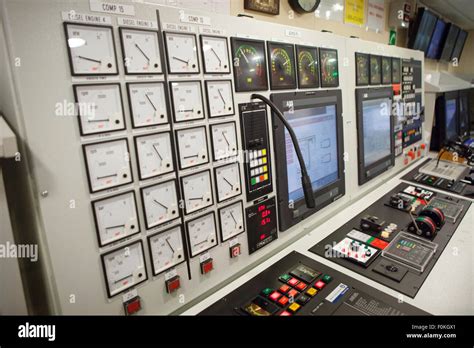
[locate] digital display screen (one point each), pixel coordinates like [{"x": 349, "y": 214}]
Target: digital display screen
[
  {"x": 449, "y": 43},
  {"x": 451, "y": 120},
  {"x": 459, "y": 45},
  {"x": 250, "y": 68},
  {"x": 463, "y": 114},
  {"x": 435, "y": 47},
  {"x": 261, "y": 224},
  {"x": 376, "y": 124},
  {"x": 425, "y": 30},
  {"x": 282, "y": 66},
  {"x": 316, "y": 131}
]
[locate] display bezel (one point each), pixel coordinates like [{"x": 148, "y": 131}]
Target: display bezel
[
  {"x": 290, "y": 50},
  {"x": 366, "y": 56},
  {"x": 325, "y": 84},
  {"x": 387, "y": 78},
  {"x": 372, "y": 73},
  {"x": 396, "y": 79},
  {"x": 315, "y": 52}
]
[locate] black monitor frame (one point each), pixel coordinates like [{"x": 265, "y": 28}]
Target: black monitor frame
[
  {"x": 367, "y": 173},
  {"x": 464, "y": 118},
  {"x": 438, "y": 133},
  {"x": 288, "y": 217},
  {"x": 416, "y": 30},
  {"x": 449, "y": 42}
]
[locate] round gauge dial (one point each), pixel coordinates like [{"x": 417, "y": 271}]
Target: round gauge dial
[
  {"x": 91, "y": 49},
  {"x": 215, "y": 55},
  {"x": 116, "y": 218},
  {"x": 166, "y": 249},
  {"x": 187, "y": 101},
  {"x": 160, "y": 203},
  {"x": 197, "y": 191},
  {"x": 362, "y": 69},
  {"x": 224, "y": 140},
  {"x": 148, "y": 104},
  {"x": 192, "y": 147},
  {"x": 182, "y": 53},
  {"x": 329, "y": 67},
  {"x": 231, "y": 220},
  {"x": 304, "y": 6},
  {"x": 124, "y": 268},
  {"x": 202, "y": 234},
  {"x": 308, "y": 67},
  {"x": 228, "y": 183},
  {"x": 375, "y": 70},
  {"x": 386, "y": 70},
  {"x": 155, "y": 156},
  {"x": 108, "y": 164},
  {"x": 141, "y": 51},
  {"x": 100, "y": 108},
  {"x": 220, "y": 98},
  {"x": 249, "y": 65},
  {"x": 282, "y": 66}
]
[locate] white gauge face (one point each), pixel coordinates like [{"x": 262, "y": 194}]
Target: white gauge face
[
  {"x": 232, "y": 220},
  {"x": 100, "y": 108},
  {"x": 202, "y": 234},
  {"x": 155, "y": 155},
  {"x": 108, "y": 164},
  {"x": 220, "y": 98},
  {"x": 148, "y": 102},
  {"x": 192, "y": 147},
  {"x": 197, "y": 191},
  {"x": 228, "y": 181},
  {"x": 91, "y": 49},
  {"x": 187, "y": 101},
  {"x": 182, "y": 53},
  {"x": 141, "y": 51},
  {"x": 224, "y": 140},
  {"x": 167, "y": 249},
  {"x": 216, "y": 55},
  {"x": 116, "y": 218},
  {"x": 161, "y": 203},
  {"x": 124, "y": 268}
]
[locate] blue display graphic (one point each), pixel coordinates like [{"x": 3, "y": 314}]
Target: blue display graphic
[
  {"x": 451, "y": 121},
  {"x": 377, "y": 133}
]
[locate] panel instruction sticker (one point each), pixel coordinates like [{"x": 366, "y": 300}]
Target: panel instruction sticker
[
  {"x": 139, "y": 23},
  {"x": 110, "y": 7},
  {"x": 193, "y": 19},
  {"x": 73, "y": 16},
  {"x": 337, "y": 293}
]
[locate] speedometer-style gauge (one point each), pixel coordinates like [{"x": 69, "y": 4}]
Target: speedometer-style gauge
[
  {"x": 308, "y": 66},
  {"x": 375, "y": 70},
  {"x": 386, "y": 70},
  {"x": 362, "y": 69},
  {"x": 250, "y": 66},
  {"x": 329, "y": 67},
  {"x": 282, "y": 65}
]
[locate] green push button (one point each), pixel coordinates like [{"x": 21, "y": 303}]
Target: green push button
[
  {"x": 285, "y": 278},
  {"x": 253, "y": 181},
  {"x": 266, "y": 292},
  {"x": 326, "y": 278}
]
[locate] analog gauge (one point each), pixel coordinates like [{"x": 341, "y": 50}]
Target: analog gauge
[
  {"x": 124, "y": 268},
  {"x": 108, "y": 164},
  {"x": 182, "y": 53},
  {"x": 187, "y": 101},
  {"x": 250, "y": 65},
  {"x": 215, "y": 55},
  {"x": 396, "y": 70},
  {"x": 202, "y": 234},
  {"x": 386, "y": 70},
  {"x": 282, "y": 65},
  {"x": 155, "y": 155},
  {"x": 362, "y": 69},
  {"x": 148, "y": 104},
  {"x": 224, "y": 140},
  {"x": 166, "y": 249},
  {"x": 231, "y": 220},
  {"x": 375, "y": 70},
  {"x": 308, "y": 66},
  {"x": 220, "y": 98},
  {"x": 116, "y": 218},
  {"x": 329, "y": 67},
  {"x": 160, "y": 203},
  {"x": 197, "y": 191},
  {"x": 228, "y": 182},
  {"x": 91, "y": 49},
  {"x": 141, "y": 51},
  {"x": 100, "y": 108},
  {"x": 192, "y": 147}
]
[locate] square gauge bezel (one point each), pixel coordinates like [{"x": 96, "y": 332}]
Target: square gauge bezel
[
  {"x": 367, "y": 56},
  {"x": 298, "y": 49},
  {"x": 321, "y": 81},
  {"x": 104, "y": 255},
  {"x": 224, "y": 72},
  {"x": 215, "y": 181},
  {"x": 71, "y": 65},
  {"x": 290, "y": 50},
  {"x": 206, "y": 83},
  {"x": 189, "y": 239},
  {"x": 174, "y": 107},
  {"x": 167, "y": 57},
  {"x": 96, "y": 223},
  {"x": 178, "y": 153},
  {"x": 182, "y": 178},
  {"x": 212, "y": 140},
  {"x": 76, "y": 99},
  {"x": 371, "y": 74},
  {"x": 220, "y": 220},
  {"x": 389, "y": 60},
  {"x": 160, "y": 47}
]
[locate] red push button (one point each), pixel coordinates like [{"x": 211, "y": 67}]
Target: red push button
[
  {"x": 234, "y": 251},
  {"x": 319, "y": 284},
  {"x": 207, "y": 266},
  {"x": 292, "y": 293},
  {"x": 132, "y": 306},
  {"x": 284, "y": 289},
  {"x": 275, "y": 296},
  {"x": 172, "y": 284},
  {"x": 283, "y": 301},
  {"x": 293, "y": 282},
  {"x": 285, "y": 314},
  {"x": 301, "y": 286}
]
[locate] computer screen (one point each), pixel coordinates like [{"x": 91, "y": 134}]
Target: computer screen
[
  {"x": 464, "y": 113},
  {"x": 459, "y": 46},
  {"x": 316, "y": 131},
  {"x": 425, "y": 28},
  {"x": 377, "y": 131},
  {"x": 451, "y": 119},
  {"x": 449, "y": 43},
  {"x": 439, "y": 35}
]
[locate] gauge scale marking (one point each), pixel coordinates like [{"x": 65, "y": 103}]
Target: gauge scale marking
[
  {"x": 202, "y": 234},
  {"x": 182, "y": 53},
  {"x": 282, "y": 65},
  {"x": 308, "y": 66},
  {"x": 215, "y": 54},
  {"x": 329, "y": 67},
  {"x": 220, "y": 98},
  {"x": 250, "y": 66},
  {"x": 187, "y": 101},
  {"x": 224, "y": 140},
  {"x": 192, "y": 147},
  {"x": 362, "y": 69},
  {"x": 161, "y": 203},
  {"x": 166, "y": 249},
  {"x": 197, "y": 191},
  {"x": 154, "y": 154},
  {"x": 231, "y": 219},
  {"x": 148, "y": 104}
]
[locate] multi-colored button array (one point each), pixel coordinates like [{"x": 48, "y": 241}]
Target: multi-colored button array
[{"x": 258, "y": 166}]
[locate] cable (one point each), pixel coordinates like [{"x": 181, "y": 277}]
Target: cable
[{"x": 305, "y": 179}]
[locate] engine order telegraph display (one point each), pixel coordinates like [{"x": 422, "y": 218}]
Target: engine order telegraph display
[
  {"x": 362, "y": 69},
  {"x": 261, "y": 224},
  {"x": 250, "y": 65},
  {"x": 281, "y": 57},
  {"x": 329, "y": 67},
  {"x": 308, "y": 66},
  {"x": 375, "y": 70}
]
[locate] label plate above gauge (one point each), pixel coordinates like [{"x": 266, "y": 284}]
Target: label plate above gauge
[{"x": 148, "y": 104}]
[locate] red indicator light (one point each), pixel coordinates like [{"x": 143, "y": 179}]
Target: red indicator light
[{"x": 263, "y": 236}]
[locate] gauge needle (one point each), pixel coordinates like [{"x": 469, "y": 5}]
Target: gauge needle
[
  {"x": 102, "y": 120},
  {"x": 233, "y": 218},
  {"x": 243, "y": 54},
  {"x": 106, "y": 176},
  {"x": 181, "y": 60},
  {"x": 220, "y": 61},
  {"x": 164, "y": 206},
  {"x": 196, "y": 199},
  {"x": 136, "y": 45},
  {"x": 111, "y": 227},
  {"x": 204, "y": 241},
  {"x": 186, "y": 157},
  {"x": 168, "y": 242},
  {"x": 90, "y": 59},
  {"x": 225, "y": 138},
  {"x": 121, "y": 279},
  {"x": 153, "y": 105},
  {"x": 188, "y": 110},
  {"x": 227, "y": 181},
  {"x": 154, "y": 147},
  {"x": 220, "y": 94}
]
